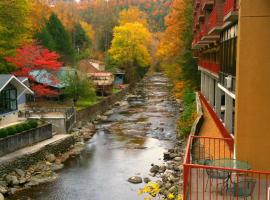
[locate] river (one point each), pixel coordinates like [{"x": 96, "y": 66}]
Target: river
[{"x": 131, "y": 137}]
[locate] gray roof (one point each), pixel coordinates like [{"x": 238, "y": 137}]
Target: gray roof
[
  {"x": 4, "y": 78},
  {"x": 22, "y": 78}
]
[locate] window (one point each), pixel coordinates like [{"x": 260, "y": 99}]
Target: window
[
  {"x": 8, "y": 99},
  {"x": 228, "y": 55}
]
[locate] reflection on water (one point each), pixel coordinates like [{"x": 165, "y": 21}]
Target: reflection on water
[{"x": 126, "y": 144}]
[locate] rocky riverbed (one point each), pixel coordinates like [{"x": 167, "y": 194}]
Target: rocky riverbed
[
  {"x": 122, "y": 144},
  {"x": 46, "y": 170}
]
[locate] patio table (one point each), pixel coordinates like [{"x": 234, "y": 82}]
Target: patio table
[{"x": 230, "y": 163}]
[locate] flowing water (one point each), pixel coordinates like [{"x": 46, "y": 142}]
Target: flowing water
[{"x": 134, "y": 135}]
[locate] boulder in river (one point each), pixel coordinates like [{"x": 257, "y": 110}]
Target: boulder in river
[
  {"x": 50, "y": 157},
  {"x": 12, "y": 180},
  {"x": 135, "y": 179},
  {"x": 154, "y": 169},
  {"x": 166, "y": 156},
  {"x": 3, "y": 190},
  {"x": 2, "y": 197},
  {"x": 146, "y": 180}
]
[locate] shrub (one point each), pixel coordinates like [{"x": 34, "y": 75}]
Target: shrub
[
  {"x": 26, "y": 126},
  {"x": 11, "y": 130},
  {"x": 19, "y": 128},
  {"x": 33, "y": 123},
  {"x": 3, "y": 133}
]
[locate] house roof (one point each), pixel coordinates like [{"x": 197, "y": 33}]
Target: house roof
[
  {"x": 46, "y": 78},
  {"x": 5, "y": 79},
  {"x": 85, "y": 66},
  {"x": 22, "y": 79},
  {"x": 55, "y": 80}
]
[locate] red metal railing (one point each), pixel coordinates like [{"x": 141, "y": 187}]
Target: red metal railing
[
  {"x": 211, "y": 66},
  {"x": 230, "y": 5},
  {"x": 203, "y": 181},
  {"x": 221, "y": 127}
]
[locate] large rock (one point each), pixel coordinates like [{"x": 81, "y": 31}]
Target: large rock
[
  {"x": 50, "y": 157},
  {"x": 3, "y": 190},
  {"x": 178, "y": 159},
  {"x": 12, "y": 180},
  {"x": 20, "y": 172},
  {"x": 154, "y": 169},
  {"x": 56, "y": 167},
  {"x": 166, "y": 156},
  {"x": 162, "y": 169},
  {"x": 146, "y": 180},
  {"x": 2, "y": 197},
  {"x": 135, "y": 179}
]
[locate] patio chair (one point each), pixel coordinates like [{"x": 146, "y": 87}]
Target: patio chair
[
  {"x": 217, "y": 174},
  {"x": 242, "y": 188},
  {"x": 199, "y": 155}
]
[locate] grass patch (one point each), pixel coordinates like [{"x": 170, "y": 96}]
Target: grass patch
[
  {"x": 84, "y": 103},
  {"x": 115, "y": 90}
]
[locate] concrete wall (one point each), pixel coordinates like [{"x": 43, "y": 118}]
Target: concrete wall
[
  {"x": 26, "y": 138},
  {"x": 252, "y": 137}
]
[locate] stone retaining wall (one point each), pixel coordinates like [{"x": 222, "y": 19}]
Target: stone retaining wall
[
  {"x": 90, "y": 113},
  {"x": 26, "y": 138},
  {"x": 29, "y": 159}
]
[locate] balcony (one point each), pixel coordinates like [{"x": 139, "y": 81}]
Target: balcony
[
  {"x": 204, "y": 180},
  {"x": 207, "y": 4},
  {"x": 230, "y": 10},
  {"x": 208, "y": 37},
  {"x": 215, "y": 20},
  {"x": 196, "y": 3},
  {"x": 210, "y": 66}
]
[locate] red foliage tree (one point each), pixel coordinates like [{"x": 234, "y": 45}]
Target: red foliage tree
[{"x": 32, "y": 57}]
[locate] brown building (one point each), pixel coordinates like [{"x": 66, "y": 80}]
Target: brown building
[{"x": 232, "y": 44}]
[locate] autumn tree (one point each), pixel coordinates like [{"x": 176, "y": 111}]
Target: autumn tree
[
  {"x": 131, "y": 48},
  {"x": 40, "y": 12},
  {"x": 32, "y": 57},
  {"x": 89, "y": 31},
  {"x": 15, "y": 28},
  {"x": 132, "y": 14}
]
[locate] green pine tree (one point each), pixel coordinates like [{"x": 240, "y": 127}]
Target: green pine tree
[
  {"x": 46, "y": 39},
  {"x": 61, "y": 38},
  {"x": 80, "y": 38}
]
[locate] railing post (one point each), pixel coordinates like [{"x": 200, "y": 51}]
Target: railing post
[{"x": 185, "y": 181}]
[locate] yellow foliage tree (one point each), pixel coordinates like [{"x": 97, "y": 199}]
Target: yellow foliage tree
[
  {"x": 88, "y": 30},
  {"x": 131, "y": 44},
  {"x": 15, "y": 26},
  {"x": 131, "y": 15},
  {"x": 130, "y": 49}
]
